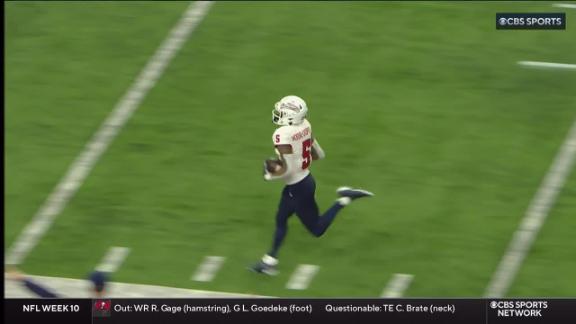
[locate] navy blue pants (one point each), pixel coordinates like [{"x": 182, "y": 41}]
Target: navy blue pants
[{"x": 299, "y": 199}]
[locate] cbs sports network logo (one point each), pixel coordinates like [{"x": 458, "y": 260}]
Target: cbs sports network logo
[{"x": 531, "y": 21}]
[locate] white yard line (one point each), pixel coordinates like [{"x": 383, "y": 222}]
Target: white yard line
[
  {"x": 564, "y": 5},
  {"x": 547, "y": 65},
  {"x": 397, "y": 285},
  {"x": 208, "y": 269},
  {"x": 534, "y": 218},
  {"x": 113, "y": 259},
  {"x": 78, "y": 288},
  {"x": 302, "y": 277},
  {"x": 100, "y": 141}
]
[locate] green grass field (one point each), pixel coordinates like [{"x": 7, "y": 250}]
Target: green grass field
[{"x": 422, "y": 103}]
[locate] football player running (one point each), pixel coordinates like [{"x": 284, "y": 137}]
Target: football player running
[{"x": 296, "y": 148}]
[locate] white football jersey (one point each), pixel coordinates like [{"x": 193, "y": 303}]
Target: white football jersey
[{"x": 300, "y": 138}]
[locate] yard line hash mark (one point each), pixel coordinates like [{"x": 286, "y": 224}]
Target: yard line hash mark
[
  {"x": 124, "y": 109},
  {"x": 208, "y": 269},
  {"x": 534, "y": 217},
  {"x": 113, "y": 259},
  {"x": 397, "y": 285},
  {"x": 548, "y": 65},
  {"x": 302, "y": 277}
]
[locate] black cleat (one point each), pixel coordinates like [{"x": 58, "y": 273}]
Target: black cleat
[{"x": 353, "y": 193}]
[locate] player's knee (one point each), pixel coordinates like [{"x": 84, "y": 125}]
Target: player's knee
[{"x": 317, "y": 232}]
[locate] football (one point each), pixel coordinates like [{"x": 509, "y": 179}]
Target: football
[{"x": 273, "y": 164}]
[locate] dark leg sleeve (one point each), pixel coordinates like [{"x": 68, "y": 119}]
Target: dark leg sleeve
[
  {"x": 317, "y": 225},
  {"x": 285, "y": 210},
  {"x": 308, "y": 212},
  {"x": 326, "y": 220}
]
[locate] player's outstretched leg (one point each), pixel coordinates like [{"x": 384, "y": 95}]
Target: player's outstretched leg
[{"x": 318, "y": 225}]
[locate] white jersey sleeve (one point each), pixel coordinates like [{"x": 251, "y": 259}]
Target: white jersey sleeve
[
  {"x": 299, "y": 137},
  {"x": 281, "y": 136}
]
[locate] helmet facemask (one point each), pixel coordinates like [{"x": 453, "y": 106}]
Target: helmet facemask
[{"x": 277, "y": 117}]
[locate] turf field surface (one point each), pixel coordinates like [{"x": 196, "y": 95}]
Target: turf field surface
[{"x": 421, "y": 103}]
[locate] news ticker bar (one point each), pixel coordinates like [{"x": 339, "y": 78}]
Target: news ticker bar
[{"x": 471, "y": 311}]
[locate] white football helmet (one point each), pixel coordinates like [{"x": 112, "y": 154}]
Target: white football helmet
[{"x": 290, "y": 110}]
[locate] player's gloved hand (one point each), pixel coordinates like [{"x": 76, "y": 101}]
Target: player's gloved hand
[
  {"x": 271, "y": 168},
  {"x": 267, "y": 175}
]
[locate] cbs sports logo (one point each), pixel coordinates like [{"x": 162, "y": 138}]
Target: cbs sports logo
[{"x": 531, "y": 21}]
